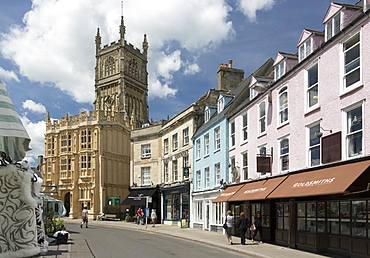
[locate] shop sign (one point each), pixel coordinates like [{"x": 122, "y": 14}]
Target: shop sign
[
  {"x": 331, "y": 148},
  {"x": 264, "y": 164},
  {"x": 314, "y": 182},
  {"x": 255, "y": 190}
]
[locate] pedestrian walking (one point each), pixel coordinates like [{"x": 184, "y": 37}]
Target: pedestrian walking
[
  {"x": 85, "y": 218},
  {"x": 258, "y": 224},
  {"x": 153, "y": 216},
  {"x": 243, "y": 226},
  {"x": 229, "y": 223},
  {"x": 139, "y": 215}
]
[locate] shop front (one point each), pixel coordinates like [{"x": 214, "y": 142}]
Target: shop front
[
  {"x": 176, "y": 205},
  {"x": 250, "y": 199},
  {"x": 325, "y": 210},
  {"x": 143, "y": 197}
]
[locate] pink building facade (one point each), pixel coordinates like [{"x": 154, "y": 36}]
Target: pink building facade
[{"x": 302, "y": 141}]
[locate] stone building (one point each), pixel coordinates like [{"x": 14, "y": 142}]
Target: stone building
[
  {"x": 162, "y": 156},
  {"x": 87, "y": 156}
]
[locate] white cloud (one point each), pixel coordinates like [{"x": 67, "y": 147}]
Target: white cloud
[
  {"x": 54, "y": 47},
  {"x": 250, "y": 7},
  {"x": 192, "y": 69},
  {"x": 36, "y": 132},
  {"x": 8, "y": 75},
  {"x": 35, "y": 107}
]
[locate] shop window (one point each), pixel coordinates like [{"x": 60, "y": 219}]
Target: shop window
[
  {"x": 321, "y": 216},
  {"x": 306, "y": 217},
  {"x": 345, "y": 218},
  {"x": 359, "y": 218},
  {"x": 333, "y": 218},
  {"x": 282, "y": 213},
  {"x": 265, "y": 214}
]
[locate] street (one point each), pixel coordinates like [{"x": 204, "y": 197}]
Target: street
[{"x": 105, "y": 241}]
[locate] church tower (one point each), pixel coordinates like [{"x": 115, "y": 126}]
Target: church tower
[
  {"x": 87, "y": 156},
  {"x": 121, "y": 78}
]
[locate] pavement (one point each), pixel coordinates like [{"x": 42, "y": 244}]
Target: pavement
[{"x": 215, "y": 239}]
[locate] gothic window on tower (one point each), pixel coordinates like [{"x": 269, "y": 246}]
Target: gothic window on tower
[
  {"x": 132, "y": 68},
  {"x": 110, "y": 66},
  {"x": 86, "y": 139}
]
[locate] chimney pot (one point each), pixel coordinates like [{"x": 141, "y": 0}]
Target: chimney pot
[{"x": 230, "y": 63}]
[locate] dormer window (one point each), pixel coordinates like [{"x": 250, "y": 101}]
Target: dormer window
[
  {"x": 207, "y": 115},
  {"x": 253, "y": 93},
  {"x": 332, "y": 27},
  {"x": 279, "y": 70},
  {"x": 220, "y": 104},
  {"x": 305, "y": 49}
]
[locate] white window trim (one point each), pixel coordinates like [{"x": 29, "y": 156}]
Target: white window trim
[
  {"x": 220, "y": 104},
  {"x": 232, "y": 135},
  {"x": 217, "y": 141},
  {"x": 308, "y": 151},
  {"x": 198, "y": 151},
  {"x": 279, "y": 70},
  {"x": 244, "y": 127},
  {"x": 206, "y": 145},
  {"x": 207, "y": 173},
  {"x": 332, "y": 24},
  {"x": 145, "y": 151},
  {"x": 343, "y": 89},
  {"x": 345, "y": 154},
  {"x": 185, "y": 136},
  {"x": 317, "y": 105},
  {"x": 280, "y": 92},
  {"x": 304, "y": 46},
  {"x": 217, "y": 173},
  {"x": 260, "y": 133},
  {"x": 280, "y": 155}
]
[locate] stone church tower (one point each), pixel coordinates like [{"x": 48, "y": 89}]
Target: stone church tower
[
  {"x": 121, "y": 79},
  {"x": 87, "y": 156}
]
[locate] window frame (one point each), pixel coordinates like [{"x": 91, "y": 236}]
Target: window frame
[
  {"x": 245, "y": 126},
  {"x": 311, "y": 146},
  {"x": 345, "y": 75},
  {"x": 145, "y": 175},
  {"x": 348, "y": 135},
  {"x": 198, "y": 151},
  {"x": 232, "y": 134},
  {"x": 185, "y": 134},
  {"x": 206, "y": 144},
  {"x": 217, "y": 133},
  {"x": 284, "y": 155},
  {"x": 279, "y": 70},
  {"x": 311, "y": 87},
  {"x": 175, "y": 142},
  {"x": 146, "y": 151},
  {"x": 303, "y": 50},
  {"x": 207, "y": 175},
  {"x": 165, "y": 146},
  {"x": 331, "y": 26},
  {"x": 262, "y": 118},
  {"x": 284, "y": 109}
]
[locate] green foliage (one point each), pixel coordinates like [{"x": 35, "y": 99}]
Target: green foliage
[{"x": 53, "y": 226}]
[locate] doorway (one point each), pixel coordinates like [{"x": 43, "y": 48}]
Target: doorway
[{"x": 67, "y": 203}]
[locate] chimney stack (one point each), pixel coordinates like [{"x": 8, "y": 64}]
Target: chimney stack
[{"x": 229, "y": 77}]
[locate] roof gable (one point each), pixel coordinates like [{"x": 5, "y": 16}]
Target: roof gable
[{"x": 333, "y": 9}]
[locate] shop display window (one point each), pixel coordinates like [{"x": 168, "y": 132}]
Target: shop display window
[{"x": 346, "y": 218}]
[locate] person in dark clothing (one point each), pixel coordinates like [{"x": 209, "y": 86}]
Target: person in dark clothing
[
  {"x": 243, "y": 225},
  {"x": 258, "y": 224}
]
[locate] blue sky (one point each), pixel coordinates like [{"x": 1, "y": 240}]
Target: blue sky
[{"x": 47, "y": 48}]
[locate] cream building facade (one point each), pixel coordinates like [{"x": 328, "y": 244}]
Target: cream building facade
[{"x": 87, "y": 156}]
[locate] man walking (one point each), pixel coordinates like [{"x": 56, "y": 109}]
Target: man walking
[
  {"x": 85, "y": 218},
  {"x": 243, "y": 225}
]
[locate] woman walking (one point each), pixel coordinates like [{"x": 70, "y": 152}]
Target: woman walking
[
  {"x": 229, "y": 222},
  {"x": 153, "y": 215},
  {"x": 258, "y": 225}
]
